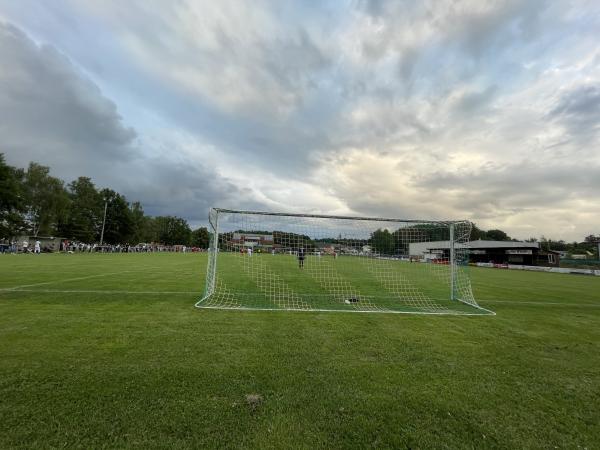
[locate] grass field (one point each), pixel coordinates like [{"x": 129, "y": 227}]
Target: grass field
[
  {"x": 326, "y": 283},
  {"x": 108, "y": 351}
]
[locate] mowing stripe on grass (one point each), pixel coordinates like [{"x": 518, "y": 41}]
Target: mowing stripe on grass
[
  {"x": 21, "y": 287},
  {"x": 196, "y": 293},
  {"x": 15, "y": 288},
  {"x": 242, "y": 294},
  {"x": 92, "y": 291}
]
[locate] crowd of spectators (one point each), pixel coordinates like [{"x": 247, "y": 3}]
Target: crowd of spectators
[
  {"x": 80, "y": 247},
  {"x": 66, "y": 246}
]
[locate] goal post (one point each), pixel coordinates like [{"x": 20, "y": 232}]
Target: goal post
[{"x": 311, "y": 262}]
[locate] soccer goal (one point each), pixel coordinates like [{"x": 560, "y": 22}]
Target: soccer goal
[{"x": 279, "y": 261}]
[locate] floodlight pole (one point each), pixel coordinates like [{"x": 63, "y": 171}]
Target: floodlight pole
[
  {"x": 452, "y": 261},
  {"x": 103, "y": 223}
]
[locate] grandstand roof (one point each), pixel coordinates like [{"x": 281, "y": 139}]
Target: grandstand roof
[{"x": 502, "y": 244}]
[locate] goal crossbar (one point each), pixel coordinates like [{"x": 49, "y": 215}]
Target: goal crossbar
[{"x": 326, "y": 216}]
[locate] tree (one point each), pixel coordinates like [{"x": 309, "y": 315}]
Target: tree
[
  {"x": 84, "y": 216},
  {"x": 143, "y": 226},
  {"x": 118, "y": 228},
  {"x": 382, "y": 242},
  {"x": 477, "y": 233},
  {"x": 172, "y": 230},
  {"x": 287, "y": 239},
  {"x": 497, "y": 235},
  {"x": 151, "y": 231},
  {"x": 200, "y": 238},
  {"x": 557, "y": 245},
  {"x": 46, "y": 200},
  {"x": 12, "y": 202}
]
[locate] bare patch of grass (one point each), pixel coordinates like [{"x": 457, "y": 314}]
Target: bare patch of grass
[{"x": 254, "y": 401}]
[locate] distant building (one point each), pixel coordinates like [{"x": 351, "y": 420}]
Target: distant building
[
  {"x": 327, "y": 248},
  {"x": 498, "y": 252},
  {"x": 255, "y": 240}
]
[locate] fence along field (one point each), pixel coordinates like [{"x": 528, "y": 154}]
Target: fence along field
[{"x": 101, "y": 349}]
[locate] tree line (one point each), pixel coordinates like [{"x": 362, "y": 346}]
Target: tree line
[
  {"x": 33, "y": 202},
  {"x": 397, "y": 242}
]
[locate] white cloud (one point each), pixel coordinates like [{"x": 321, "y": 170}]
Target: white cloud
[{"x": 487, "y": 111}]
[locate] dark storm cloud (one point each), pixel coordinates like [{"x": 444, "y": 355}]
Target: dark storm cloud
[
  {"x": 183, "y": 188},
  {"x": 47, "y": 108},
  {"x": 52, "y": 114}
]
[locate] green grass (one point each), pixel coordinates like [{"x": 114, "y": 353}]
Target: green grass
[
  {"x": 108, "y": 351},
  {"x": 325, "y": 283}
]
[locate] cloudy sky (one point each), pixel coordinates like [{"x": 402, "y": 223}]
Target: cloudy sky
[{"x": 441, "y": 109}]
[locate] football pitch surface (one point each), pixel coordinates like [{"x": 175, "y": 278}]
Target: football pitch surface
[
  {"x": 109, "y": 351},
  {"x": 325, "y": 283}
]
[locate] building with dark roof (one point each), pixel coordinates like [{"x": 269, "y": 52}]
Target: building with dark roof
[{"x": 497, "y": 252}]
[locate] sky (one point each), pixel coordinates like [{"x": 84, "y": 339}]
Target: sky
[{"x": 486, "y": 111}]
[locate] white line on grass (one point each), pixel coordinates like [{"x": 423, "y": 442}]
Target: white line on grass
[
  {"x": 18, "y": 288},
  {"x": 96, "y": 291}
]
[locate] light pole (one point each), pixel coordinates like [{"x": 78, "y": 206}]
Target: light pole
[{"x": 103, "y": 222}]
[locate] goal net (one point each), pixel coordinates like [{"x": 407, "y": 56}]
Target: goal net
[{"x": 278, "y": 261}]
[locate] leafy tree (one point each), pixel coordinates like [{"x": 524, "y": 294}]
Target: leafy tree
[
  {"x": 84, "y": 217},
  {"x": 477, "y": 233},
  {"x": 288, "y": 240},
  {"x": 12, "y": 202},
  {"x": 382, "y": 242},
  {"x": 46, "y": 200},
  {"x": 557, "y": 245},
  {"x": 119, "y": 225},
  {"x": 497, "y": 235},
  {"x": 143, "y": 225},
  {"x": 200, "y": 238},
  {"x": 151, "y": 230},
  {"x": 172, "y": 230}
]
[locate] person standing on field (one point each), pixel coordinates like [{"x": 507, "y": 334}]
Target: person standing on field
[
  {"x": 301, "y": 258},
  {"x": 37, "y": 247}
]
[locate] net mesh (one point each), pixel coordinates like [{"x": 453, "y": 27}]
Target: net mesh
[{"x": 310, "y": 262}]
